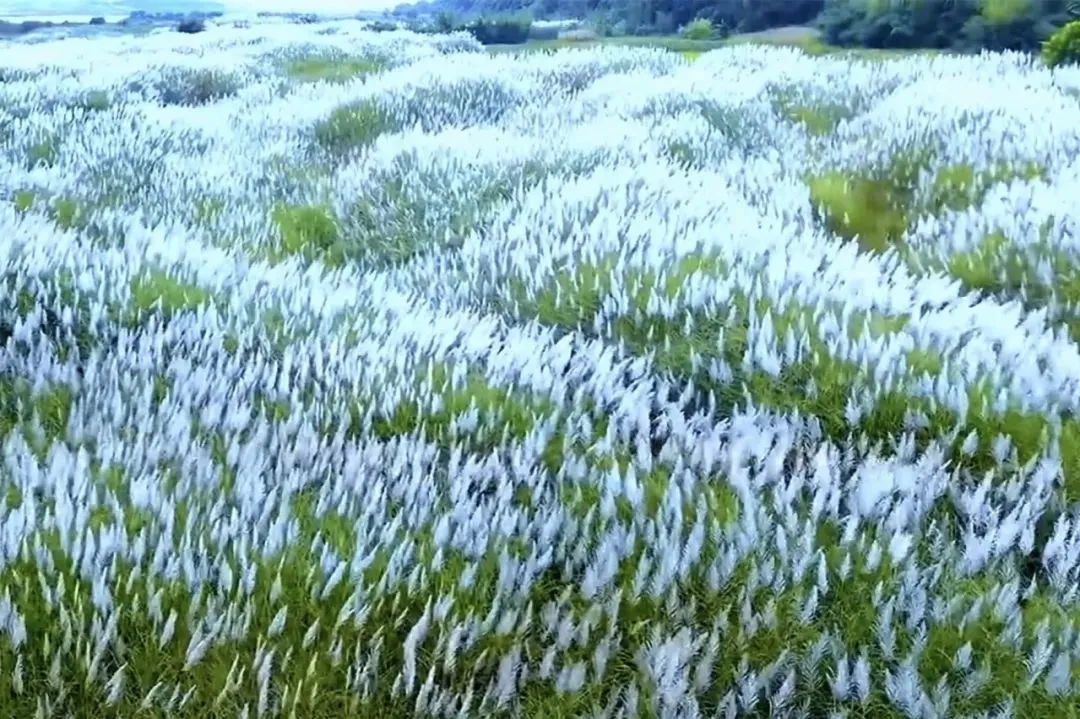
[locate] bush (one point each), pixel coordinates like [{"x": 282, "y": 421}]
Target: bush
[
  {"x": 500, "y": 32},
  {"x": 382, "y": 26},
  {"x": 1063, "y": 46},
  {"x": 352, "y": 127},
  {"x": 191, "y": 26},
  {"x": 700, "y": 29},
  {"x": 445, "y": 23},
  {"x": 191, "y": 88},
  {"x": 97, "y": 21}
]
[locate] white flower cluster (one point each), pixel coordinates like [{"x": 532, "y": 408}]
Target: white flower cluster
[{"x": 376, "y": 375}]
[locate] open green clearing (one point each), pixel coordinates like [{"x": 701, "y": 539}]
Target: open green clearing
[{"x": 347, "y": 376}]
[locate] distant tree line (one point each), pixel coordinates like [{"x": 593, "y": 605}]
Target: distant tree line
[
  {"x": 960, "y": 25},
  {"x": 14, "y": 29},
  {"x": 964, "y": 25}
]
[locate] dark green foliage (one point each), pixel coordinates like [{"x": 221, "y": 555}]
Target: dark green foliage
[
  {"x": 956, "y": 25},
  {"x": 191, "y": 26},
  {"x": 500, "y": 31},
  {"x": 961, "y": 25},
  {"x": 1063, "y": 46},
  {"x": 700, "y": 29},
  {"x": 639, "y": 17}
]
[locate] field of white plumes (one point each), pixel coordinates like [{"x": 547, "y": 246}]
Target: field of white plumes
[{"x": 355, "y": 375}]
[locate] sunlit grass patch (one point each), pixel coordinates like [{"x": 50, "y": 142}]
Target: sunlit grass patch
[
  {"x": 819, "y": 115},
  {"x": 68, "y": 213},
  {"x": 23, "y": 406},
  {"x": 159, "y": 292},
  {"x": 958, "y": 187},
  {"x": 878, "y": 207},
  {"x": 867, "y": 209},
  {"x": 42, "y": 153},
  {"x": 331, "y": 69},
  {"x": 309, "y": 233},
  {"x": 817, "y": 119}
]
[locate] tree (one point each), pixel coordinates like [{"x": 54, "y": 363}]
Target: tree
[
  {"x": 1063, "y": 46},
  {"x": 191, "y": 26}
]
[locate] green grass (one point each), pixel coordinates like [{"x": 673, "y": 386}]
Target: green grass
[
  {"x": 331, "y": 69},
  {"x": 158, "y": 291},
  {"x": 309, "y": 233},
  {"x": 352, "y": 127}
]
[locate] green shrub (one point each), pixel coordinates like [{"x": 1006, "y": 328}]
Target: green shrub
[
  {"x": 191, "y": 26},
  {"x": 352, "y": 127},
  {"x": 382, "y": 26},
  {"x": 700, "y": 29},
  {"x": 184, "y": 87},
  {"x": 509, "y": 31},
  {"x": 158, "y": 291},
  {"x": 1063, "y": 46},
  {"x": 42, "y": 153},
  {"x": 307, "y": 232}
]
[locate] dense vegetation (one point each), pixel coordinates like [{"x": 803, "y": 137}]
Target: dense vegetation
[
  {"x": 962, "y": 25},
  {"x": 354, "y": 375}
]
